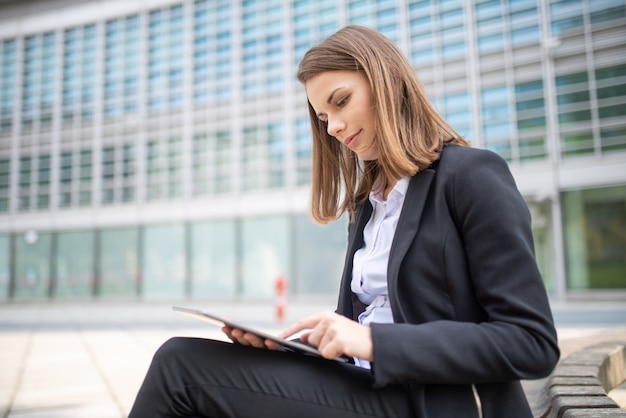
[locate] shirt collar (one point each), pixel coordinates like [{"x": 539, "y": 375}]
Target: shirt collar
[{"x": 399, "y": 189}]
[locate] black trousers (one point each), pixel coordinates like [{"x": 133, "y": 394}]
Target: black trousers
[{"x": 192, "y": 377}]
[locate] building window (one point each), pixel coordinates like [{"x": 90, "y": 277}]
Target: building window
[
  {"x": 164, "y": 265},
  {"x": 38, "y": 81},
  {"x": 265, "y": 244},
  {"x": 317, "y": 275},
  {"x": 118, "y": 258},
  {"x": 566, "y": 18},
  {"x": 574, "y": 107},
  {"x": 5, "y": 183},
  {"x": 32, "y": 265},
  {"x": 262, "y": 48},
  {"x": 164, "y": 168},
  {"x": 25, "y": 182},
  {"x": 212, "y": 163},
  {"x": 165, "y": 59},
  {"x": 108, "y": 175},
  {"x": 264, "y": 157},
  {"x": 5, "y": 266},
  {"x": 524, "y": 19},
  {"x": 496, "y": 117},
  {"x": 78, "y": 80},
  {"x": 153, "y": 170},
  {"x": 303, "y": 152},
  {"x": 85, "y": 177},
  {"x": 128, "y": 172},
  {"x": 458, "y": 112},
  {"x": 607, "y": 11},
  {"x": 309, "y": 30},
  {"x": 75, "y": 275},
  {"x": 380, "y": 15},
  {"x": 595, "y": 238},
  {"x": 121, "y": 68},
  {"x": 213, "y": 255},
  {"x": 212, "y": 52},
  {"x": 43, "y": 181},
  {"x": 531, "y": 120},
  {"x": 611, "y": 95},
  {"x": 7, "y": 85}
]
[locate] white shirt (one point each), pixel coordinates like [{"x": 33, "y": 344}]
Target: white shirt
[{"x": 369, "y": 268}]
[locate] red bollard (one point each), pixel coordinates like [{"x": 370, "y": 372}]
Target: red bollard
[{"x": 281, "y": 298}]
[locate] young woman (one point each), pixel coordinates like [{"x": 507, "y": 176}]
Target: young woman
[{"x": 441, "y": 306}]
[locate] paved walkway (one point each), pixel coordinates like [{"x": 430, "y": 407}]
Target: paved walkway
[{"x": 66, "y": 360}]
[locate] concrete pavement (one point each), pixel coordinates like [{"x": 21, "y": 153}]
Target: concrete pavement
[{"x": 88, "y": 359}]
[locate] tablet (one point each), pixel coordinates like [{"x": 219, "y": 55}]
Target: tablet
[{"x": 219, "y": 321}]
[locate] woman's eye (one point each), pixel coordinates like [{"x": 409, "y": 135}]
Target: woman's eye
[{"x": 343, "y": 101}]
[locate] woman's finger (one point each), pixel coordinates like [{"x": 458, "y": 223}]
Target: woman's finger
[
  {"x": 253, "y": 340},
  {"x": 305, "y": 323}
]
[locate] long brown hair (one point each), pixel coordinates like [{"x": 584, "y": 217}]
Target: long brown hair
[{"x": 409, "y": 131}]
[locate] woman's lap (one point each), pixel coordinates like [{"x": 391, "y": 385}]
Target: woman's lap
[{"x": 197, "y": 377}]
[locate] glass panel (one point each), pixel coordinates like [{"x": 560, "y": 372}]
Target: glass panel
[
  {"x": 531, "y": 123},
  {"x": 265, "y": 254},
  {"x": 608, "y": 14},
  {"x": 531, "y": 86},
  {"x": 613, "y": 139},
  {"x": 119, "y": 262},
  {"x": 5, "y": 266},
  {"x": 319, "y": 255},
  {"x": 611, "y": 72},
  {"x": 491, "y": 43},
  {"x": 595, "y": 238},
  {"x": 573, "y": 117},
  {"x": 577, "y": 143},
  {"x": 164, "y": 261},
  {"x": 532, "y": 148},
  {"x": 453, "y": 51},
  {"x": 214, "y": 259},
  {"x": 75, "y": 264},
  {"x": 575, "y": 97},
  {"x": 303, "y": 140},
  {"x": 577, "y": 78},
  {"x": 570, "y": 24},
  {"x": 32, "y": 261},
  {"x": 541, "y": 221},
  {"x": 612, "y": 91},
  {"x": 617, "y": 111},
  {"x": 530, "y": 104}
]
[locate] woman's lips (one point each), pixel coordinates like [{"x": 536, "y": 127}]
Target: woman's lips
[{"x": 351, "y": 140}]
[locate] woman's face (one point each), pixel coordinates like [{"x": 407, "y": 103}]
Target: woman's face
[{"x": 343, "y": 99}]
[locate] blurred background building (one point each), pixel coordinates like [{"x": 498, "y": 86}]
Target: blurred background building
[{"x": 160, "y": 149}]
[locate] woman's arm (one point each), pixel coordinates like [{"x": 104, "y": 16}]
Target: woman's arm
[{"x": 516, "y": 338}]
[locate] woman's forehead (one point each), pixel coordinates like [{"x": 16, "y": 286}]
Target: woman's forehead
[{"x": 328, "y": 81}]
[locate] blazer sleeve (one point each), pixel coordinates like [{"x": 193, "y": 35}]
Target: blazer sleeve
[{"x": 517, "y": 339}]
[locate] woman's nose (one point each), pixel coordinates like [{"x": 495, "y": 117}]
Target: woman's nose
[{"x": 335, "y": 126}]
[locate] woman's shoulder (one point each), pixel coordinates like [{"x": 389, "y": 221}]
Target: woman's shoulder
[
  {"x": 455, "y": 158},
  {"x": 458, "y": 152}
]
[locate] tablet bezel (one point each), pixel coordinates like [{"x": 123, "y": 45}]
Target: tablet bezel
[{"x": 221, "y": 321}]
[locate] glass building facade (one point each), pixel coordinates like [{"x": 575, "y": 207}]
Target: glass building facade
[{"x": 161, "y": 149}]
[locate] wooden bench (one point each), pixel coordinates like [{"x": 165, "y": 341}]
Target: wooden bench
[{"x": 579, "y": 384}]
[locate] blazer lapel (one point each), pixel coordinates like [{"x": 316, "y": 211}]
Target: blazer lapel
[
  {"x": 407, "y": 227},
  {"x": 355, "y": 241}
]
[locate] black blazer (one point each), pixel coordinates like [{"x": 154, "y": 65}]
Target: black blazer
[{"x": 471, "y": 314}]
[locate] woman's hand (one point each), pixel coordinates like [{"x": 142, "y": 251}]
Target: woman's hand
[
  {"x": 334, "y": 335},
  {"x": 245, "y": 338}
]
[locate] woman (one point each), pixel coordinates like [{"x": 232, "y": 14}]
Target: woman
[{"x": 441, "y": 307}]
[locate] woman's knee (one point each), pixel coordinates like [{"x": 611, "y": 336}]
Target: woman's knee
[{"x": 172, "y": 348}]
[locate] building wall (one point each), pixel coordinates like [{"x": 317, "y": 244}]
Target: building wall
[{"x": 137, "y": 137}]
